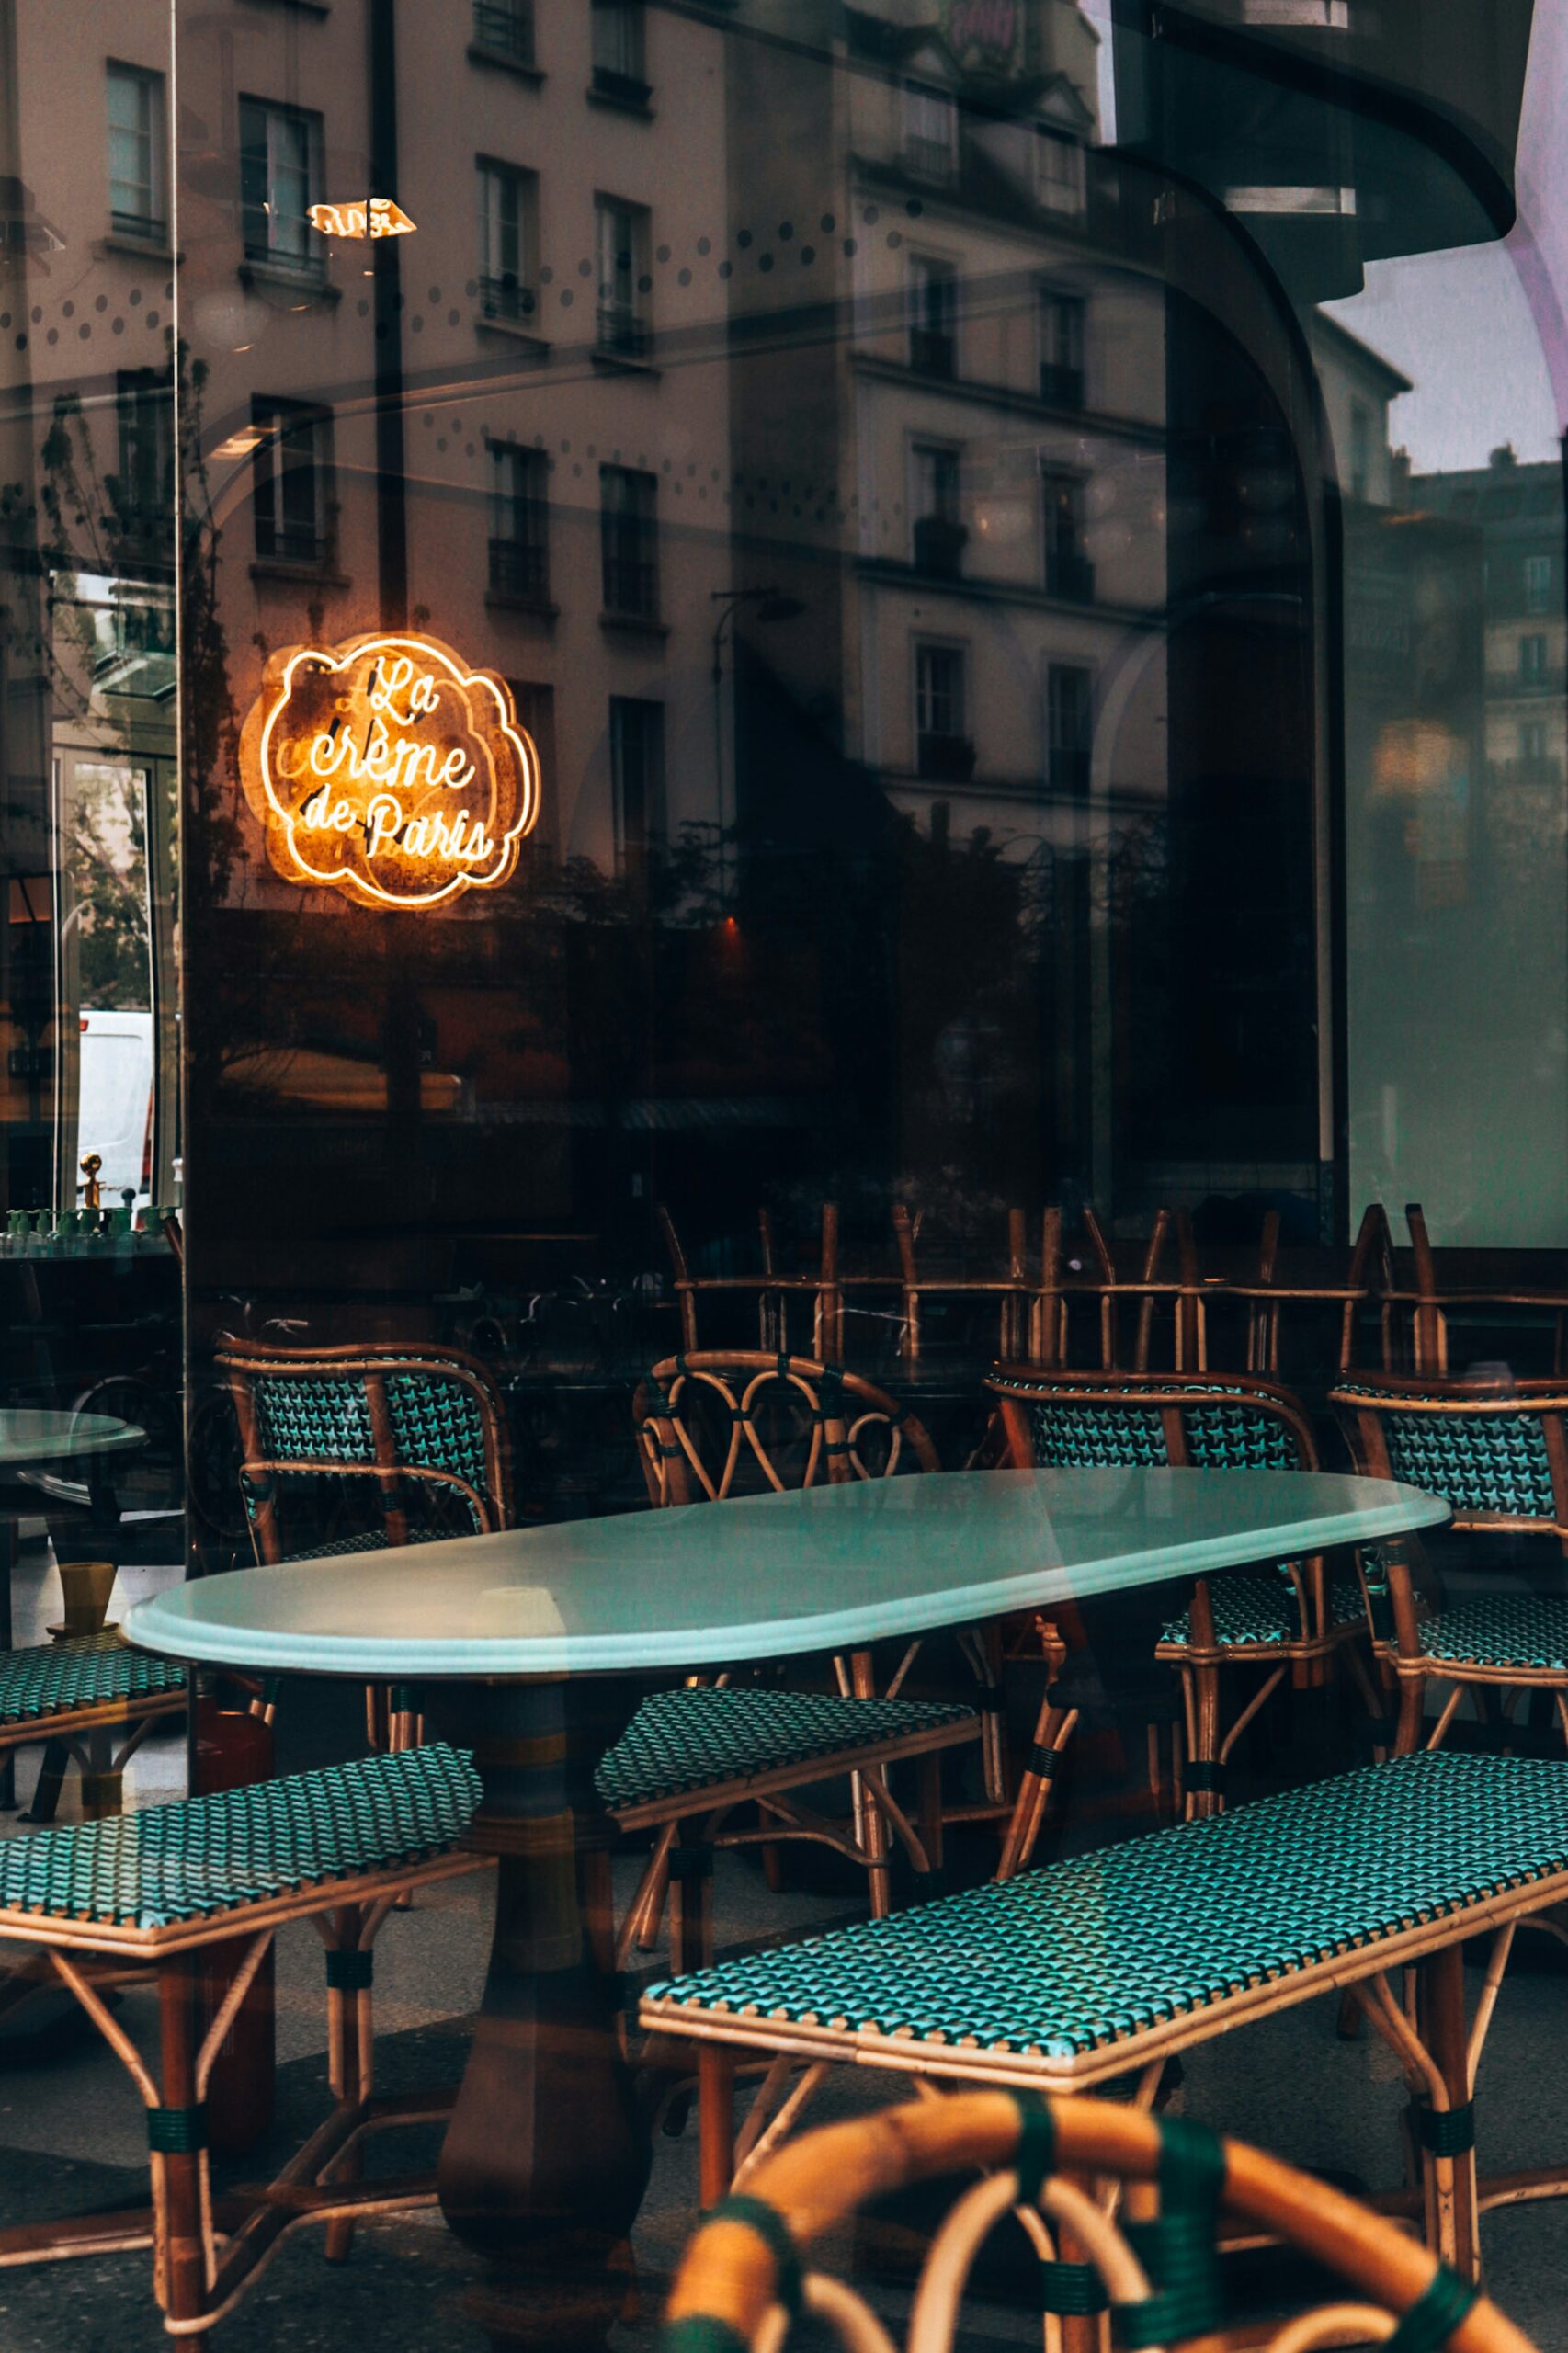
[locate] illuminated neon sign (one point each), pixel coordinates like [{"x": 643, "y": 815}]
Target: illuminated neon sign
[
  {"x": 366, "y": 216},
  {"x": 387, "y": 769}
]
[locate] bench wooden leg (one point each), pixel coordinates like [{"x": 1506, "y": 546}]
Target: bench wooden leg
[
  {"x": 51, "y": 1781},
  {"x": 1412, "y": 1713},
  {"x": 1449, "y": 2177},
  {"x": 349, "y": 2048},
  {"x": 715, "y": 2122},
  {"x": 177, "y": 2171},
  {"x": 690, "y": 1867}
]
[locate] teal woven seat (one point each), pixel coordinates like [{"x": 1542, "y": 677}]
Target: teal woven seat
[
  {"x": 679, "y": 1742},
  {"x": 204, "y": 1856},
  {"x": 1260, "y": 1605},
  {"x": 55, "y": 1679},
  {"x": 369, "y": 1539},
  {"x": 1063, "y": 1961},
  {"x": 1501, "y": 1630}
]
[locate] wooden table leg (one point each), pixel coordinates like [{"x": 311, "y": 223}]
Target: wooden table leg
[{"x": 545, "y": 2161}]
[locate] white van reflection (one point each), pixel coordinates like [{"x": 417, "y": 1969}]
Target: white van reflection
[{"x": 115, "y": 1100}]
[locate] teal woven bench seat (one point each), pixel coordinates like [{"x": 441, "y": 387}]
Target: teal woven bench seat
[
  {"x": 198, "y": 1858},
  {"x": 58, "y": 1678},
  {"x": 1260, "y": 1606},
  {"x": 1052, "y": 1975},
  {"x": 680, "y": 1742}
]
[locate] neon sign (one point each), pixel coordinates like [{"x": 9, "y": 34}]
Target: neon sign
[
  {"x": 387, "y": 769},
  {"x": 367, "y": 216}
]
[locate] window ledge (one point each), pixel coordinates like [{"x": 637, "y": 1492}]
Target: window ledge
[
  {"x": 538, "y": 608},
  {"x": 633, "y": 625},
  {"x": 480, "y": 55},
  {"x": 301, "y": 7},
  {"x": 641, "y": 109},
  {"x": 513, "y": 331},
  {"x": 272, "y": 275},
  {"x": 620, "y": 363},
  {"x": 311, "y": 575},
  {"x": 156, "y": 249}
]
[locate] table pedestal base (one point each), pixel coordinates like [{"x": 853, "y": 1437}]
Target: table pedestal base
[{"x": 545, "y": 2162}]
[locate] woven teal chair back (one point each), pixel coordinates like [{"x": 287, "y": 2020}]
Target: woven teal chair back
[
  {"x": 723, "y": 1422},
  {"x": 1077, "y": 1421},
  {"x": 1496, "y": 1451},
  {"x": 349, "y": 1449}
]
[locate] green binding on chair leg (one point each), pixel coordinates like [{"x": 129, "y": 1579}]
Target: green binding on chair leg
[
  {"x": 1204, "y": 1773},
  {"x": 1073, "y": 2290},
  {"x": 177, "y": 2132},
  {"x": 1445, "y": 2131},
  {"x": 700, "y": 2333},
  {"x": 1179, "y": 2249},
  {"x": 1433, "y": 2318},
  {"x": 774, "y": 2232},
  {"x": 350, "y": 1973}
]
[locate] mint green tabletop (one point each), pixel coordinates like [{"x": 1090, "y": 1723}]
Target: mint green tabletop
[
  {"x": 767, "y": 1577},
  {"x": 28, "y": 1440}
]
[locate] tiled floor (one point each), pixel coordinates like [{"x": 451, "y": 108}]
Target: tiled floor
[{"x": 72, "y": 2136}]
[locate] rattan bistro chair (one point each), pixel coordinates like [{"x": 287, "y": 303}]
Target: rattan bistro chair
[
  {"x": 1498, "y": 1452},
  {"x": 351, "y": 1449},
  {"x": 1155, "y": 2263},
  {"x": 724, "y": 1423},
  {"x": 1289, "y": 1619}
]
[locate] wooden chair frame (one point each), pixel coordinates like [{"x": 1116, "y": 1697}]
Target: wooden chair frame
[
  {"x": 1202, "y": 1660},
  {"x": 841, "y": 1407},
  {"x": 390, "y": 1720},
  {"x": 1101, "y": 2154},
  {"x": 1364, "y": 1408}
]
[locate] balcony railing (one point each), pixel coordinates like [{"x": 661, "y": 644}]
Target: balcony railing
[
  {"x": 939, "y": 547},
  {"x": 1062, "y": 386},
  {"x": 506, "y": 297},
  {"x": 289, "y": 542},
  {"x": 505, "y": 32},
  {"x": 930, "y": 159},
  {"x": 1071, "y": 577},
  {"x": 520, "y": 568},
  {"x": 944, "y": 760},
  {"x": 933, "y": 352},
  {"x": 632, "y": 587},
  {"x": 621, "y": 332},
  {"x": 626, "y": 89},
  {"x": 141, "y": 226}
]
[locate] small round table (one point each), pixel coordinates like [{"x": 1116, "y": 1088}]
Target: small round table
[{"x": 545, "y": 2163}]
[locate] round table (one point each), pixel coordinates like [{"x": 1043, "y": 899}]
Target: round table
[
  {"x": 33, "y": 1440},
  {"x": 545, "y": 2162}
]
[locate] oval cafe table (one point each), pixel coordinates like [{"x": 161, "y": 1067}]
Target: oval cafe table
[{"x": 540, "y": 1630}]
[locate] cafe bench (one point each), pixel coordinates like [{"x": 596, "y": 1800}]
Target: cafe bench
[
  {"x": 56, "y": 1691},
  {"x": 1086, "y": 1970},
  {"x": 149, "y": 1892}
]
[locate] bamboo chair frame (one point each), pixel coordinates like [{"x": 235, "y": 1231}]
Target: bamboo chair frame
[
  {"x": 1203, "y": 1659},
  {"x": 1369, "y": 1275},
  {"x": 209, "y": 2250},
  {"x": 772, "y": 1290},
  {"x": 1364, "y": 1411},
  {"x": 392, "y": 1722},
  {"x": 840, "y": 1409},
  {"x": 742, "y": 2272},
  {"x": 1428, "y": 1303}
]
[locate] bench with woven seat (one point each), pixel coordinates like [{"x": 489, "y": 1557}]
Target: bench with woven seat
[
  {"x": 149, "y": 1891},
  {"x": 1067, "y": 1976},
  {"x": 55, "y": 1691}
]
